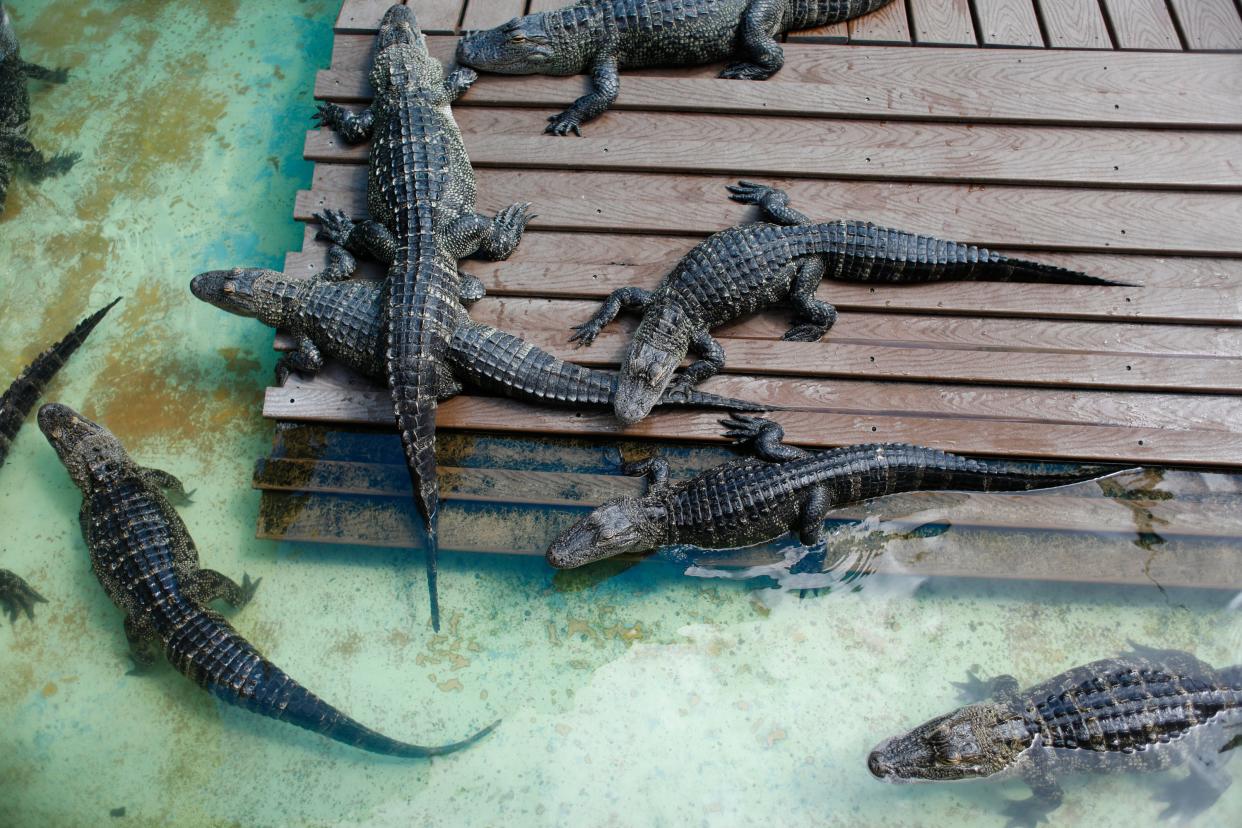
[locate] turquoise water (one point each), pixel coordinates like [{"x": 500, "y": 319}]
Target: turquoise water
[{"x": 629, "y": 696}]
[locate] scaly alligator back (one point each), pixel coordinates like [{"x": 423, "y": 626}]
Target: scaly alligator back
[{"x": 25, "y": 391}]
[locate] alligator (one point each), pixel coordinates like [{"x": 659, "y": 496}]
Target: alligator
[
  {"x": 17, "y": 153},
  {"x": 421, "y": 199},
  {"x": 17, "y": 596},
  {"x": 144, "y": 558},
  {"x": 751, "y": 266},
  {"x": 344, "y": 321},
  {"x": 602, "y": 36},
  {"x": 1147, "y": 710},
  {"x": 781, "y": 489}
]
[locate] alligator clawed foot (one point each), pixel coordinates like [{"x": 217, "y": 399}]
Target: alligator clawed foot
[
  {"x": 17, "y": 597},
  {"x": 58, "y": 75},
  {"x": 328, "y": 115},
  {"x": 751, "y": 192},
  {"x": 248, "y": 589},
  {"x": 805, "y": 333},
  {"x": 1025, "y": 813},
  {"x": 745, "y": 71},
  {"x": 461, "y": 79},
  {"x": 57, "y": 165},
  {"x": 741, "y": 428},
  {"x": 584, "y": 334},
  {"x": 334, "y": 226},
  {"x": 563, "y": 124},
  {"x": 974, "y": 688}
]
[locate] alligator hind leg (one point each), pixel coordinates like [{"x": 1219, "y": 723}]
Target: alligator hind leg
[
  {"x": 819, "y": 314},
  {"x": 762, "y": 436},
  {"x": 207, "y": 585},
  {"x": 810, "y": 527},
  {"x": 772, "y": 201},
  {"x": 1188, "y": 797},
  {"x": 496, "y": 238},
  {"x": 36, "y": 72},
  {"x": 759, "y": 42},
  {"x": 305, "y": 360},
  {"x": 1046, "y": 796},
  {"x": 353, "y": 128},
  {"x": 144, "y": 642},
  {"x": 630, "y": 298},
  {"x": 38, "y": 167},
  {"x": 17, "y": 597},
  {"x": 363, "y": 238}
]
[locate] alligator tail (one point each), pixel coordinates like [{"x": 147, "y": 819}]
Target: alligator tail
[
  {"x": 941, "y": 470},
  {"x": 700, "y": 399},
  {"x": 1000, "y": 268},
  {"x": 25, "y": 391},
  {"x": 211, "y": 653},
  {"x": 808, "y": 14}
]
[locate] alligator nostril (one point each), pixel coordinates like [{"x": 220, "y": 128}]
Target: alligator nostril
[{"x": 875, "y": 765}]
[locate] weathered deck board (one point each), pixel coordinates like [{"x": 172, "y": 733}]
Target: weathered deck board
[
  {"x": 1000, "y": 154},
  {"x": 1209, "y": 24},
  {"x": 484, "y": 14},
  {"x": 1142, "y": 24},
  {"x": 1193, "y": 223},
  {"x": 923, "y": 83},
  {"x": 361, "y": 16},
  {"x": 383, "y": 522},
  {"x": 889, "y": 24},
  {"x": 1008, "y": 23},
  {"x": 1075, "y": 24},
  {"x": 942, "y": 22}
]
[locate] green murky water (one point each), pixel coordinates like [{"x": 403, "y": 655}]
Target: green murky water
[{"x": 630, "y": 696}]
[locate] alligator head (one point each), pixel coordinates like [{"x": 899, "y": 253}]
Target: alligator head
[
  {"x": 401, "y": 58},
  {"x": 90, "y": 453},
  {"x": 251, "y": 292},
  {"x": 657, "y": 348},
  {"x": 527, "y": 45},
  {"x": 970, "y": 743},
  {"x": 8, "y": 37},
  {"x": 631, "y": 525}
]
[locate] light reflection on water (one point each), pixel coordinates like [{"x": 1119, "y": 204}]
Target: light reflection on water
[{"x": 632, "y": 693}]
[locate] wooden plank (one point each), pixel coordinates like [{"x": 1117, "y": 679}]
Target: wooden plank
[
  {"x": 1008, "y": 23},
  {"x": 942, "y": 22},
  {"x": 1209, "y": 24},
  {"x": 1132, "y": 221},
  {"x": 361, "y": 16},
  {"x": 1146, "y": 446},
  {"x": 650, "y": 141},
  {"x": 939, "y": 400},
  {"x": 1082, "y": 507},
  {"x": 547, "y": 5},
  {"x": 438, "y": 16},
  {"x": 650, "y": 257},
  {"x": 524, "y": 531},
  {"x": 1075, "y": 24},
  {"x": 1142, "y": 24},
  {"x": 833, "y": 33},
  {"x": 888, "y": 24},
  {"x": 924, "y": 83},
  {"x": 484, "y": 14}
]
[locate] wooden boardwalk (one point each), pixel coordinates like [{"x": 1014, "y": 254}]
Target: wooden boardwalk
[{"x": 1104, "y": 137}]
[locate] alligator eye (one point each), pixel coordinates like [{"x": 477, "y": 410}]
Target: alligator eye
[
  {"x": 517, "y": 38},
  {"x": 229, "y": 287}
]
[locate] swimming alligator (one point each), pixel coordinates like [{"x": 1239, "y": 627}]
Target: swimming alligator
[
  {"x": 143, "y": 555},
  {"x": 1148, "y": 710},
  {"x": 17, "y": 153},
  {"x": 782, "y": 489},
  {"x": 344, "y": 321},
  {"x": 602, "y": 36},
  {"x": 17, "y": 596},
  {"x": 751, "y": 266},
  {"x": 421, "y": 198}
]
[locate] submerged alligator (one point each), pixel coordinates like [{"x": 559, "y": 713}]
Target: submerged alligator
[
  {"x": 344, "y": 321},
  {"x": 1149, "y": 710},
  {"x": 17, "y": 153},
  {"x": 143, "y": 555},
  {"x": 751, "y": 266},
  {"x": 421, "y": 198},
  {"x": 17, "y": 596},
  {"x": 783, "y": 488},
  {"x": 602, "y": 36}
]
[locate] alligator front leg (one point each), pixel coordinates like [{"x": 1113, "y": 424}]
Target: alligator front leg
[
  {"x": 17, "y": 597},
  {"x": 458, "y": 81},
  {"x": 630, "y": 298},
  {"x": 655, "y": 469},
  {"x": 496, "y": 238},
  {"x": 772, "y": 201},
  {"x": 38, "y": 167},
  {"x": 606, "y": 85},
  {"x": 207, "y": 585},
  {"x": 36, "y": 72},
  {"x": 353, "y": 128},
  {"x": 363, "y": 238},
  {"x": 1046, "y": 796},
  {"x": 712, "y": 360},
  {"x": 762, "y": 436},
  {"x": 144, "y": 642},
  {"x": 819, "y": 314},
  {"x": 759, "y": 25},
  {"x": 167, "y": 482},
  {"x": 977, "y": 689},
  {"x": 305, "y": 360}
]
